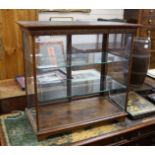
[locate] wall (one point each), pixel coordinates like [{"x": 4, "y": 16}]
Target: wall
[
  {"x": 11, "y": 50},
  {"x": 93, "y": 15}
]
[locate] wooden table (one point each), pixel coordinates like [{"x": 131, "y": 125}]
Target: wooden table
[
  {"x": 128, "y": 132},
  {"x": 137, "y": 132},
  {"x": 11, "y": 96}
]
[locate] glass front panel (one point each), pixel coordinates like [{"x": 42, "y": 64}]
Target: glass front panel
[
  {"x": 86, "y": 62},
  {"x": 82, "y": 68},
  {"x": 29, "y": 72},
  {"x": 51, "y": 68}
]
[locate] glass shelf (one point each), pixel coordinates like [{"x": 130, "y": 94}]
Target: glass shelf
[
  {"x": 58, "y": 89},
  {"x": 77, "y": 60}
]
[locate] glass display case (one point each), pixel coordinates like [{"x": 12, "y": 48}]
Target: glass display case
[{"x": 77, "y": 73}]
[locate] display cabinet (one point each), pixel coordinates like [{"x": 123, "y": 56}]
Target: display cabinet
[{"x": 77, "y": 73}]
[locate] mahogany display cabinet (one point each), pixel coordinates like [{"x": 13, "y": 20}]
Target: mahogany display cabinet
[{"x": 77, "y": 73}]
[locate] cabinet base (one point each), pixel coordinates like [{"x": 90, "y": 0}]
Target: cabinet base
[{"x": 63, "y": 117}]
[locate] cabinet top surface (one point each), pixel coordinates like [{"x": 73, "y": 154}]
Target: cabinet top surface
[{"x": 79, "y": 24}]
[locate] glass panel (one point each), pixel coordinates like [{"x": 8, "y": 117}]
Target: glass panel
[
  {"x": 63, "y": 77},
  {"x": 81, "y": 59},
  {"x": 29, "y": 74},
  {"x": 86, "y": 55},
  {"x": 78, "y": 59},
  {"x": 84, "y": 52},
  {"x": 118, "y": 41},
  {"x": 50, "y": 55},
  {"x": 87, "y": 43},
  {"x": 51, "y": 86},
  {"x": 80, "y": 87},
  {"x": 29, "y": 70},
  {"x": 120, "y": 45}
]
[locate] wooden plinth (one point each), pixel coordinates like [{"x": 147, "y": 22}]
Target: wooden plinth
[{"x": 61, "y": 117}]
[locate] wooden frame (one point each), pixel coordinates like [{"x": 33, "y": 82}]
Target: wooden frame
[{"x": 74, "y": 113}]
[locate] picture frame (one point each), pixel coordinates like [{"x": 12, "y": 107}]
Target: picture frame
[{"x": 52, "y": 55}]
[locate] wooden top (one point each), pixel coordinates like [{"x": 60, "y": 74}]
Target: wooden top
[
  {"x": 9, "y": 88},
  {"x": 75, "y": 24}
]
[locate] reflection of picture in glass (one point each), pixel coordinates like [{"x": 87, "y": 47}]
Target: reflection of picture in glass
[
  {"x": 52, "y": 55},
  {"x": 85, "y": 75},
  {"x": 139, "y": 106},
  {"x": 51, "y": 77}
]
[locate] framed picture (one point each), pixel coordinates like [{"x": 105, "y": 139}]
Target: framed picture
[
  {"x": 85, "y": 75},
  {"x": 52, "y": 55},
  {"x": 54, "y": 77}
]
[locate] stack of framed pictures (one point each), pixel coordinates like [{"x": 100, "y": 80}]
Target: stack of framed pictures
[{"x": 138, "y": 106}]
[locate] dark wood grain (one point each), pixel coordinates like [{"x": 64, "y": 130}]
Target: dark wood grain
[
  {"x": 75, "y": 27},
  {"x": 12, "y": 98},
  {"x": 12, "y": 104},
  {"x": 131, "y": 131},
  {"x": 79, "y": 24},
  {"x": 105, "y": 41},
  {"x": 69, "y": 71}
]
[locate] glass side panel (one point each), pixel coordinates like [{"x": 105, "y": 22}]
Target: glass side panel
[
  {"x": 117, "y": 41},
  {"x": 32, "y": 95},
  {"x": 120, "y": 45},
  {"x": 29, "y": 72}
]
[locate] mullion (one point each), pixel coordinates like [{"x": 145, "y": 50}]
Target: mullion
[
  {"x": 105, "y": 38},
  {"x": 69, "y": 73}
]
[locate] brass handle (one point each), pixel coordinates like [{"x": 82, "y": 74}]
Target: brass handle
[
  {"x": 150, "y": 21},
  {"x": 61, "y": 19}
]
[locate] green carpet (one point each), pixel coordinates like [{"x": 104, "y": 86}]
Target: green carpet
[{"x": 18, "y": 132}]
